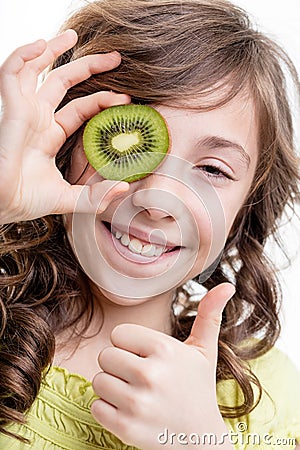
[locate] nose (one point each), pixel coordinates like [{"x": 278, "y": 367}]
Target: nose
[{"x": 159, "y": 196}]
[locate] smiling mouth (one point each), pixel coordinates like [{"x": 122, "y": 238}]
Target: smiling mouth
[{"x": 139, "y": 247}]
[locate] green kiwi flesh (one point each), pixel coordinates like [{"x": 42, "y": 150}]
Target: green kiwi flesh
[{"x": 126, "y": 142}]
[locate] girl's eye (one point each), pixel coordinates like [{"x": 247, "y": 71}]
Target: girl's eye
[{"x": 215, "y": 172}]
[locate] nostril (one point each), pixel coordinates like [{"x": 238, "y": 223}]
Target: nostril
[{"x": 157, "y": 214}]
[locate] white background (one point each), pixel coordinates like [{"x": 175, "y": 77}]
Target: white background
[{"x": 22, "y": 22}]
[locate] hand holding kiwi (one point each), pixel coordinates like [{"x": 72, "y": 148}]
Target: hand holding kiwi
[{"x": 31, "y": 132}]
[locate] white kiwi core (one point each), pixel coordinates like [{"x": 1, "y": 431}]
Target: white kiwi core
[{"x": 123, "y": 142}]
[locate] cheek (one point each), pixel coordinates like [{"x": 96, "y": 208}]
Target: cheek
[
  {"x": 233, "y": 202},
  {"x": 212, "y": 231}
]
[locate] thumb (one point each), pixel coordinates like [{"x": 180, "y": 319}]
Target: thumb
[
  {"x": 206, "y": 327},
  {"x": 93, "y": 198}
]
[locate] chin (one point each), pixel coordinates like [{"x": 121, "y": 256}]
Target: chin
[{"x": 123, "y": 300}]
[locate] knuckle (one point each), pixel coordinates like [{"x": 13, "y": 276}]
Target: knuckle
[
  {"x": 215, "y": 321},
  {"x": 144, "y": 377},
  {"x": 104, "y": 94},
  {"x": 77, "y": 107},
  {"x": 61, "y": 76},
  {"x": 66, "y": 82},
  {"x": 125, "y": 427},
  {"x": 140, "y": 405},
  {"x": 149, "y": 376},
  {"x": 163, "y": 347},
  {"x": 133, "y": 403}
]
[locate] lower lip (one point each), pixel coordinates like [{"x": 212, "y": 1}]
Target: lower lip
[{"x": 135, "y": 257}]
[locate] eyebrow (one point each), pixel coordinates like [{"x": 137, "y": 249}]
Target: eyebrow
[{"x": 217, "y": 142}]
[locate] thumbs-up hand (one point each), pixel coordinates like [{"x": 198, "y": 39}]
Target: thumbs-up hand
[{"x": 157, "y": 392}]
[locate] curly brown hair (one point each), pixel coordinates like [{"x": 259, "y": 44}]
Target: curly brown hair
[{"x": 173, "y": 52}]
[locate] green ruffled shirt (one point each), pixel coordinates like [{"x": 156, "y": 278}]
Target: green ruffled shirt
[{"x": 60, "y": 417}]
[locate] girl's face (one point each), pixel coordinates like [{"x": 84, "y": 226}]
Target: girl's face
[{"x": 172, "y": 225}]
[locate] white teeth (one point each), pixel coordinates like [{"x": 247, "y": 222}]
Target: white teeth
[
  {"x": 136, "y": 246},
  {"x": 148, "y": 250},
  {"x": 158, "y": 251},
  {"x": 125, "y": 240}
]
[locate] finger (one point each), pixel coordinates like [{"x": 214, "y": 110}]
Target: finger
[
  {"x": 64, "y": 77},
  {"x": 75, "y": 113},
  {"x": 89, "y": 199},
  {"x": 105, "y": 414},
  {"x": 120, "y": 363},
  {"x": 9, "y": 82},
  {"x": 112, "y": 390},
  {"x": 16, "y": 61},
  {"x": 19, "y": 73},
  {"x": 206, "y": 327},
  {"x": 139, "y": 340},
  {"x": 54, "y": 48}
]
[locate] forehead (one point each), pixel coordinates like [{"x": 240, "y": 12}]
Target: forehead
[
  {"x": 221, "y": 98},
  {"x": 235, "y": 121}
]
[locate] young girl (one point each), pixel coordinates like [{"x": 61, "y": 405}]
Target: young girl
[{"x": 101, "y": 347}]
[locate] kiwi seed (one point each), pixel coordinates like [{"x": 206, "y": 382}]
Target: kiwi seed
[{"x": 126, "y": 142}]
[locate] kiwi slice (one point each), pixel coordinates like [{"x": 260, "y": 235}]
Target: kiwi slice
[{"x": 126, "y": 142}]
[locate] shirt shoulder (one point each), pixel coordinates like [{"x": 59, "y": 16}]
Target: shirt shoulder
[
  {"x": 60, "y": 418},
  {"x": 277, "y": 414}
]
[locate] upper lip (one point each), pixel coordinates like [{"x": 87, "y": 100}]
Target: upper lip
[{"x": 146, "y": 236}]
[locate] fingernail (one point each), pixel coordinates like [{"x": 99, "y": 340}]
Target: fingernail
[{"x": 122, "y": 186}]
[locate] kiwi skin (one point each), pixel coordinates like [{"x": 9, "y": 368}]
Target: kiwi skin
[{"x": 126, "y": 142}]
